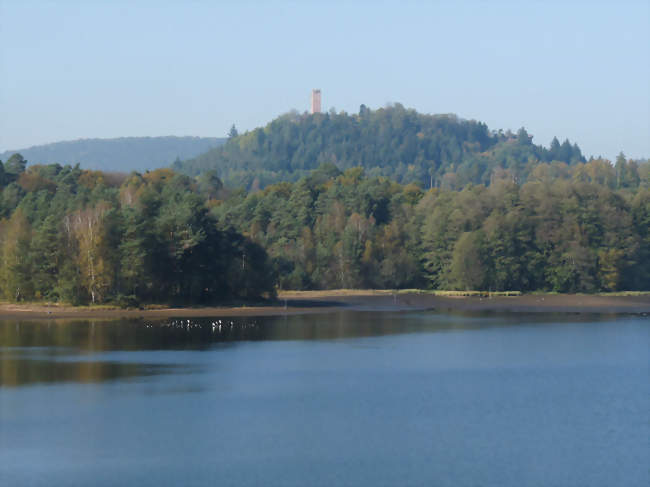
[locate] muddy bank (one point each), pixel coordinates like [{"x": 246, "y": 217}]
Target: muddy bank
[
  {"x": 326, "y": 301},
  {"x": 535, "y": 303}
]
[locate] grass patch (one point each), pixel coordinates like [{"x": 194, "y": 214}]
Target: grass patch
[
  {"x": 452, "y": 294},
  {"x": 625, "y": 293},
  {"x": 390, "y": 292}
]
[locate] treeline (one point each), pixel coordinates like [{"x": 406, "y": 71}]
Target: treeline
[
  {"x": 84, "y": 236},
  {"x": 579, "y": 228},
  {"x": 80, "y": 236},
  {"x": 400, "y": 144}
]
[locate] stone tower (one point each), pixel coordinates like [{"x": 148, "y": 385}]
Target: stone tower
[{"x": 315, "y": 101}]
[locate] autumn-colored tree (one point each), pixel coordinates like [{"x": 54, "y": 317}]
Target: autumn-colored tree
[
  {"x": 16, "y": 266},
  {"x": 92, "y": 229}
]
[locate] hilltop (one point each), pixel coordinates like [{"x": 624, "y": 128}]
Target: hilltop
[
  {"x": 402, "y": 144},
  {"x": 124, "y": 154}
]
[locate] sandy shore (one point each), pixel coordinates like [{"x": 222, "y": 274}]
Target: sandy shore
[{"x": 302, "y": 302}]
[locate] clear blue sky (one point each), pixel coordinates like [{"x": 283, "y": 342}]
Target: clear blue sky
[{"x": 73, "y": 69}]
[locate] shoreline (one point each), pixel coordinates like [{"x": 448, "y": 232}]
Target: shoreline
[{"x": 305, "y": 302}]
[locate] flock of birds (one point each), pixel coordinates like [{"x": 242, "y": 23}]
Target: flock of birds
[{"x": 216, "y": 327}]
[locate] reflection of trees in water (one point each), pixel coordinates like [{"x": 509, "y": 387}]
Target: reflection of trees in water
[
  {"x": 23, "y": 371},
  {"x": 41, "y": 351},
  {"x": 200, "y": 333}
]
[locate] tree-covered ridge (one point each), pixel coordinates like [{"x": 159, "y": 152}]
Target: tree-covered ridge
[
  {"x": 394, "y": 142},
  {"x": 82, "y": 236},
  {"x": 584, "y": 227},
  {"x": 123, "y": 154}
]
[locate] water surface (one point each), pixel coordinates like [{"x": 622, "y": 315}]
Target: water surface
[{"x": 347, "y": 398}]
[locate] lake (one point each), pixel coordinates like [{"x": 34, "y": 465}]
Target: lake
[{"x": 333, "y": 399}]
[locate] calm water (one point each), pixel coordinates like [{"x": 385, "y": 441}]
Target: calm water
[{"x": 350, "y": 398}]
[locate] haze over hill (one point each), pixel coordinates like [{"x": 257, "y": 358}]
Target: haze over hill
[
  {"x": 123, "y": 154},
  {"x": 399, "y": 143}
]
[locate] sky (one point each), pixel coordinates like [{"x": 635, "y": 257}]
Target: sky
[{"x": 82, "y": 69}]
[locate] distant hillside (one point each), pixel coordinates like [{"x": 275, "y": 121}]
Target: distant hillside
[
  {"x": 407, "y": 146},
  {"x": 124, "y": 154}
]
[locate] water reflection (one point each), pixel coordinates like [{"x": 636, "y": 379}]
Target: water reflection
[
  {"x": 25, "y": 368},
  {"x": 75, "y": 351},
  {"x": 499, "y": 400}
]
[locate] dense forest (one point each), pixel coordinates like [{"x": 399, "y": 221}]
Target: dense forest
[
  {"x": 83, "y": 236},
  {"x": 400, "y": 144},
  {"x": 575, "y": 228},
  {"x": 123, "y": 154}
]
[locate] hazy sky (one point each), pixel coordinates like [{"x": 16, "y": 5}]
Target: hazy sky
[{"x": 74, "y": 69}]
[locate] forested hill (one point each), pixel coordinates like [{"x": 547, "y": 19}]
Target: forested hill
[
  {"x": 402, "y": 144},
  {"x": 124, "y": 154}
]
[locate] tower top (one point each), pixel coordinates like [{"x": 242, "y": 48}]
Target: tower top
[{"x": 315, "y": 101}]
